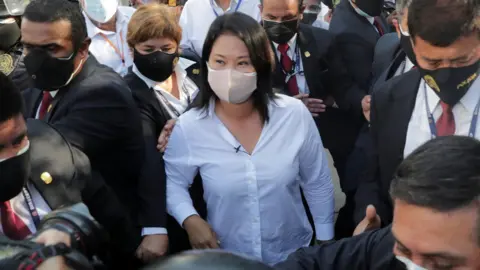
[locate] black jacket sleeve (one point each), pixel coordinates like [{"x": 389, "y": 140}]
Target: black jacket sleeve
[
  {"x": 152, "y": 182},
  {"x": 368, "y": 191},
  {"x": 368, "y": 251}
]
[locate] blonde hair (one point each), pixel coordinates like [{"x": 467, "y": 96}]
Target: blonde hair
[{"x": 153, "y": 21}]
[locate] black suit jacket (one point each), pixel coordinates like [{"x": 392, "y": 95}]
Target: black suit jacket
[
  {"x": 356, "y": 40},
  {"x": 367, "y": 251},
  {"x": 96, "y": 114},
  {"x": 154, "y": 116},
  {"x": 326, "y": 76},
  {"x": 72, "y": 181},
  {"x": 391, "y": 109},
  {"x": 387, "y": 58}
]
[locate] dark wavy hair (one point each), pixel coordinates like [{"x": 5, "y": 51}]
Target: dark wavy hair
[
  {"x": 253, "y": 35},
  {"x": 11, "y": 100}
]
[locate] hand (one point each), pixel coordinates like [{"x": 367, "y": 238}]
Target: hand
[
  {"x": 392, "y": 18},
  {"x": 370, "y": 222},
  {"x": 165, "y": 134},
  {"x": 366, "y": 107},
  {"x": 200, "y": 233},
  {"x": 152, "y": 247},
  {"x": 55, "y": 263},
  {"x": 52, "y": 237},
  {"x": 314, "y": 105}
]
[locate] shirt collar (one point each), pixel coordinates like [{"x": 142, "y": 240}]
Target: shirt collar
[
  {"x": 180, "y": 69},
  {"x": 291, "y": 43},
  {"x": 93, "y": 30},
  {"x": 273, "y": 104},
  {"x": 233, "y": 4}
]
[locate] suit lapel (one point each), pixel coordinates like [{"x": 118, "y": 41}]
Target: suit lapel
[
  {"x": 32, "y": 103},
  {"x": 278, "y": 76},
  {"x": 311, "y": 60},
  {"x": 403, "y": 99}
]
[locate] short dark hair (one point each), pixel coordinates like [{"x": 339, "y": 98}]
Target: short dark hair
[
  {"x": 11, "y": 101},
  {"x": 300, "y": 2},
  {"x": 443, "y": 175},
  {"x": 49, "y": 11},
  {"x": 253, "y": 35},
  {"x": 442, "y": 22},
  {"x": 208, "y": 260}
]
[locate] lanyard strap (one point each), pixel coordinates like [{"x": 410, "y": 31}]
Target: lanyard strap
[
  {"x": 215, "y": 12},
  {"x": 31, "y": 207},
  {"x": 296, "y": 65},
  {"x": 432, "y": 122},
  {"x": 120, "y": 53}
]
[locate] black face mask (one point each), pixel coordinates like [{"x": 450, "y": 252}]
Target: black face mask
[
  {"x": 14, "y": 173},
  {"x": 9, "y": 35},
  {"x": 371, "y": 7},
  {"x": 309, "y": 18},
  {"x": 49, "y": 73},
  {"x": 156, "y": 66},
  {"x": 451, "y": 84},
  {"x": 408, "y": 48},
  {"x": 280, "y": 32}
]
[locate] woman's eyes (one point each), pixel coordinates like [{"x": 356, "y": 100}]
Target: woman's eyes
[
  {"x": 221, "y": 62},
  {"x": 244, "y": 63}
]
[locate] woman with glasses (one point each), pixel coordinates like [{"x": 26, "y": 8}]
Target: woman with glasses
[{"x": 255, "y": 151}]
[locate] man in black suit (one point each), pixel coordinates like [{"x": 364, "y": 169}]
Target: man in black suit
[
  {"x": 438, "y": 98},
  {"x": 437, "y": 217},
  {"x": 309, "y": 66},
  {"x": 358, "y": 25},
  {"x": 90, "y": 105}
]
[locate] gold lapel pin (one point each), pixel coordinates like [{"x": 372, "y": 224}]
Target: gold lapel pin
[
  {"x": 307, "y": 54},
  {"x": 196, "y": 71},
  {"x": 49, "y": 108},
  {"x": 46, "y": 178}
]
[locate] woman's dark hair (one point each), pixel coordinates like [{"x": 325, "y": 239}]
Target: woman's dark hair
[{"x": 252, "y": 34}]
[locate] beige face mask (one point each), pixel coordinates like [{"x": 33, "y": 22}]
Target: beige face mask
[{"x": 232, "y": 86}]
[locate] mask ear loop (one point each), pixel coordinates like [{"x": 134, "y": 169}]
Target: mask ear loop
[{"x": 75, "y": 72}]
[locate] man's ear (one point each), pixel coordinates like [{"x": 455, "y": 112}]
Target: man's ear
[{"x": 85, "y": 47}]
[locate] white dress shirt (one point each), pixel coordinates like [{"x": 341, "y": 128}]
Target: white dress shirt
[
  {"x": 418, "y": 128},
  {"x": 198, "y": 15},
  {"x": 253, "y": 201},
  {"x": 20, "y": 207},
  {"x": 300, "y": 75},
  {"x": 104, "y": 52},
  {"x": 186, "y": 88}
]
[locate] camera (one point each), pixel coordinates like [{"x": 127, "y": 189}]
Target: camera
[{"x": 88, "y": 240}]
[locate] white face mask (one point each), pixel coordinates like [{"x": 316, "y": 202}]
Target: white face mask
[
  {"x": 100, "y": 10},
  {"x": 20, "y": 152},
  {"x": 409, "y": 264},
  {"x": 232, "y": 86}
]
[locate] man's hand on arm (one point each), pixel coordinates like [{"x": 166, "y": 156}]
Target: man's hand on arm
[
  {"x": 53, "y": 237},
  {"x": 366, "y": 107},
  {"x": 314, "y": 105}
]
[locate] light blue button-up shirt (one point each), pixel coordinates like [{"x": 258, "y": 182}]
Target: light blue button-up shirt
[{"x": 253, "y": 201}]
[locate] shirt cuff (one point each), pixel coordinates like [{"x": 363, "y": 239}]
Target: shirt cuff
[
  {"x": 183, "y": 211},
  {"x": 324, "y": 232},
  {"x": 152, "y": 231}
]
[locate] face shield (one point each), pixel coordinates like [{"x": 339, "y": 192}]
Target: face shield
[{"x": 10, "y": 8}]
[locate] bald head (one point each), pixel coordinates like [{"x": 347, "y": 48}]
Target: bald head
[{"x": 208, "y": 260}]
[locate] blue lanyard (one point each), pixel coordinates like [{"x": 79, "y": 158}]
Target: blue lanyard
[
  {"x": 296, "y": 65},
  {"x": 432, "y": 123},
  {"x": 31, "y": 207},
  {"x": 215, "y": 12}
]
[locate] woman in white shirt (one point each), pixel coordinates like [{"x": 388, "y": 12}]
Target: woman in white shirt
[{"x": 253, "y": 149}]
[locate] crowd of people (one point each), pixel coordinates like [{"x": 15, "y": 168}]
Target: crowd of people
[{"x": 204, "y": 124}]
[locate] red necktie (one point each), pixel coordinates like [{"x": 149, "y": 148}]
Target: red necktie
[
  {"x": 446, "y": 122},
  {"x": 46, "y": 101},
  {"x": 13, "y": 226},
  {"x": 287, "y": 65},
  {"x": 378, "y": 25}
]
